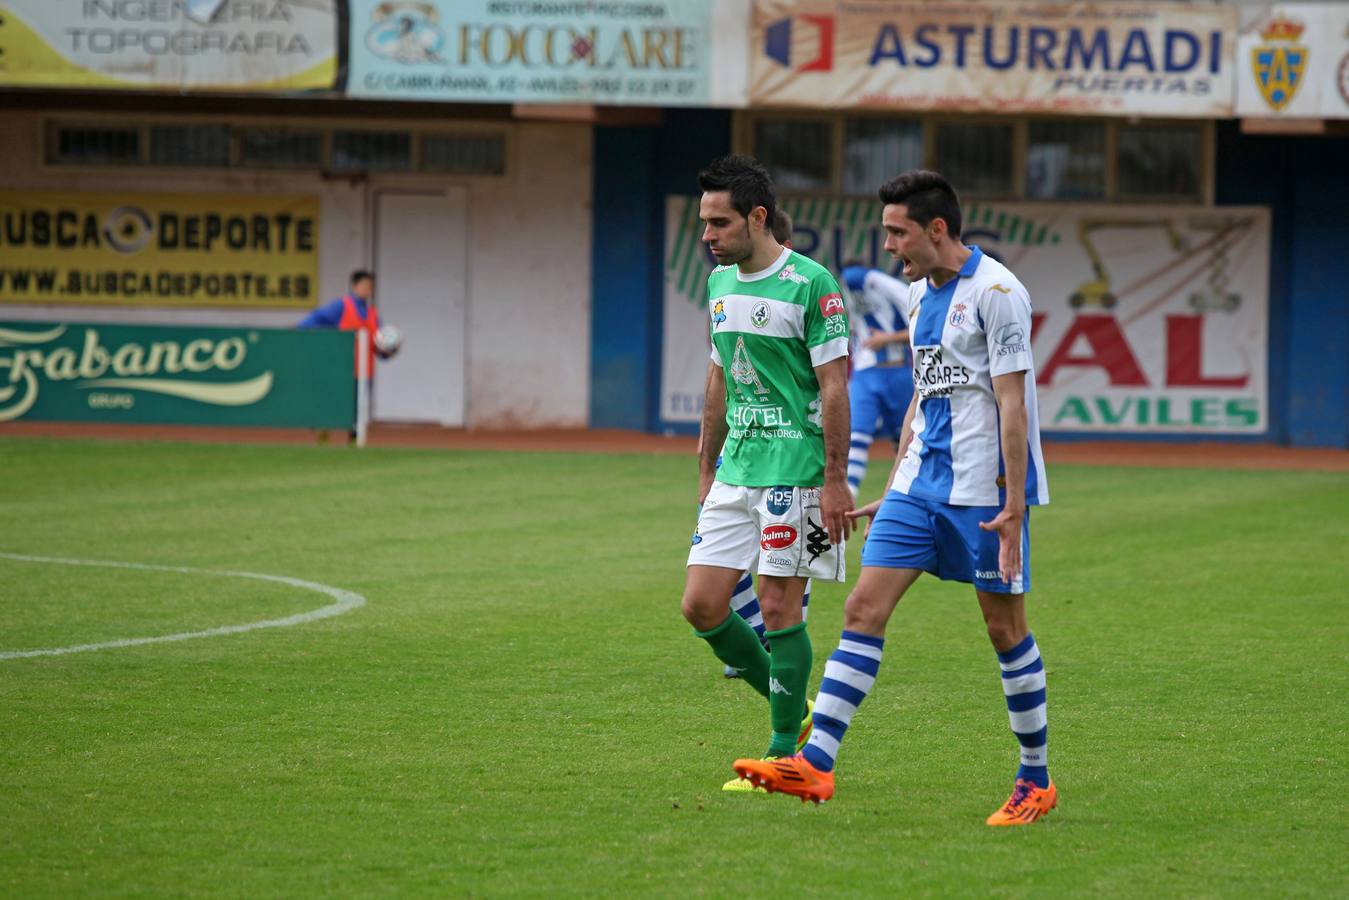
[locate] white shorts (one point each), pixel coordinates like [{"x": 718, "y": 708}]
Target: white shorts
[{"x": 769, "y": 530}]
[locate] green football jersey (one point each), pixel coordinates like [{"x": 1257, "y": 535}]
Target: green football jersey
[{"x": 769, "y": 332}]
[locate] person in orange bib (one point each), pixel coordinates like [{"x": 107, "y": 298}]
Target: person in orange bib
[{"x": 354, "y": 311}]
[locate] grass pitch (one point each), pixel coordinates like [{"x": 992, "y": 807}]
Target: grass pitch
[{"x": 520, "y": 709}]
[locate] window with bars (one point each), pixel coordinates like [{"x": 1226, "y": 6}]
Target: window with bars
[
  {"x": 876, "y": 150},
  {"x": 91, "y": 146},
  {"x": 468, "y": 152},
  {"x": 464, "y": 154},
  {"x": 976, "y": 157},
  {"x": 190, "y": 145},
  {"x": 265, "y": 149},
  {"x": 1081, "y": 159},
  {"x": 798, "y": 152},
  {"x": 372, "y": 151},
  {"x": 1065, "y": 161},
  {"x": 1160, "y": 163}
]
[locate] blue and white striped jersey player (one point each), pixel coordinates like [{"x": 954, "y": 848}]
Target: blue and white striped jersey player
[
  {"x": 881, "y": 385},
  {"x": 968, "y": 469}
]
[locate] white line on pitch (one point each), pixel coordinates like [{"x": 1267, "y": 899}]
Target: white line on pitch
[{"x": 344, "y": 601}]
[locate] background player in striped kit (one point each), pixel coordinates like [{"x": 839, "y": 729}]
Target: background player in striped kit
[
  {"x": 777, "y": 406},
  {"x": 881, "y": 384},
  {"x": 969, "y": 465},
  {"x": 744, "y": 602}
]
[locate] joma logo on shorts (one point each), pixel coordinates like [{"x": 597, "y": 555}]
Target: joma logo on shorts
[{"x": 778, "y": 537}]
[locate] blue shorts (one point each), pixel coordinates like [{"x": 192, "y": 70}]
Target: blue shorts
[
  {"x": 879, "y": 397},
  {"x": 945, "y": 540}
]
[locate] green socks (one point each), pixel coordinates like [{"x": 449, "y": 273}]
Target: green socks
[
  {"x": 735, "y": 643},
  {"x": 789, "y": 675}
]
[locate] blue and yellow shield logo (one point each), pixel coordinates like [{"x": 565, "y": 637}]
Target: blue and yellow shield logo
[
  {"x": 1278, "y": 73},
  {"x": 1279, "y": 67}
]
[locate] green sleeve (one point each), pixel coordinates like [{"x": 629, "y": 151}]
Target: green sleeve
[{"x": 826, "y": 318}]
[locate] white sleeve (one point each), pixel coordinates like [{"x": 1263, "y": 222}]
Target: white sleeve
[
  {"x": 1007, "y": 322},
  {"x": 895, "y": 292},
  {"x": 829, "y": 350},
  {"x": 716, "y": 357}
]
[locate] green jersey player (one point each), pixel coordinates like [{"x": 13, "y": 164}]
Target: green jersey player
[{"x": 777, "y": 407}]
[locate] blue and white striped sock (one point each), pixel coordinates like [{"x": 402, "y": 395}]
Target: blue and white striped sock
[
  {"x": 746, "y": 605},
  {"x": 848, "y": 677},
  {"x": 1023, "y": 683},
  {"x": 858, "y": 450}
]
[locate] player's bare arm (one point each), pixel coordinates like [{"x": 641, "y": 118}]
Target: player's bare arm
[
  {"x": 712, "y": 432},
  {"x": 1010, "y": 391},
  {"x": 711, "y": 366},
  {"x": 905, "y": 436},
  {"x": 886, "y": 338},
  {"x": 835, "y": 498}
]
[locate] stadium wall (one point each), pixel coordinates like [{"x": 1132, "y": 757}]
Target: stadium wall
[
  {"x": 1301, "y": 180},
  {"x": 528, "y": 280},
  {"x": 1298, "y": 178},
  {"x": 635, "y": 168}
]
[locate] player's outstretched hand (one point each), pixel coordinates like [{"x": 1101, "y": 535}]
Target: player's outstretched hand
[
  {"x": 867, "y": 512},
  {"x": 835, "y": 502},
  {"x": 1008, "y": 526}
]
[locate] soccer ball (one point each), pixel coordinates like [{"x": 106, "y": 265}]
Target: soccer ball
[{"x": 388, "y": 340}]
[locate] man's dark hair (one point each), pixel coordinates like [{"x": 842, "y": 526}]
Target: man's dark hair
[
  {"x": 361, "y": 275},
  {"x": 927, "y": 196},
  {"x": 782, "y": 226},
  {"x": 747, "y": 180}
]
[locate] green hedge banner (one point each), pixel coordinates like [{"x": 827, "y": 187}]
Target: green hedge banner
[{"x": 95, "y": 372}]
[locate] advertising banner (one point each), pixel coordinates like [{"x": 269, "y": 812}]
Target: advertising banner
[
  {"x": 200, "y": 45},
  {"x": 689, "y": 53},
  {"x": 70, "y": 372},
  {"x": 1128, "y": 59},
  {"x": 208, "y": 250},
  {"x": 1293, "y": 62},
  {"x": 1146, "y": 318}
]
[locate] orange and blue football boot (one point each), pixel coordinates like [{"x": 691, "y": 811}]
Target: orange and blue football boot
[{"x": 1027, "y": 803}]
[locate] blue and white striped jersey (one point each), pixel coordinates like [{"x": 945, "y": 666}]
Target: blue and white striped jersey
[
  {"x": 974, "y": 327},
  {"x": 877, "y": 303}
]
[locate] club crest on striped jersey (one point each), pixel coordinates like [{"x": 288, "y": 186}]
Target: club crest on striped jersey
[
  {"x": 758, "y": 316},
  {"x": 744, "y": 374},
  {"x": 777, "y": 537}
]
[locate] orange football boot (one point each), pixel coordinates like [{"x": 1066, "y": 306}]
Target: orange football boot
[
  {"x": 1026, "y": 804},
  {"x": 788, "y": 775}
]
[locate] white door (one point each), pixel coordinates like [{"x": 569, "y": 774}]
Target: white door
[{"x": 421, "y": 241}]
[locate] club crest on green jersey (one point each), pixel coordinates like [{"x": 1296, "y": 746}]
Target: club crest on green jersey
[
  {"x": 744, "y": 374},
  {"x": 759, "y": 315}
]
